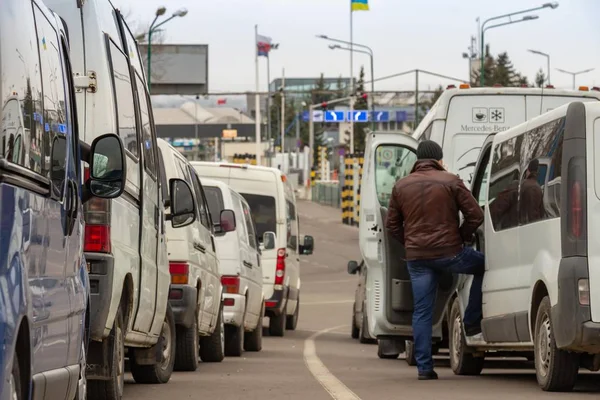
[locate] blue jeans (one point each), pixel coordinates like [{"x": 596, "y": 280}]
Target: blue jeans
[{"x": 424, "y": 277}]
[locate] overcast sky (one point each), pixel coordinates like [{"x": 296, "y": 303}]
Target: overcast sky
[{"x": 404, "y": 34}]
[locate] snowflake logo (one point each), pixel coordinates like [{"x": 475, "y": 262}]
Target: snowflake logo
[{"x": 496, "y": 115}]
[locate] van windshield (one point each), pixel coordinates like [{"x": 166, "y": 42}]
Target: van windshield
[
  {"x": 214, "y": 197},
  {"x": 263, "y": 211},
  {"x": 392, "y": 162}
]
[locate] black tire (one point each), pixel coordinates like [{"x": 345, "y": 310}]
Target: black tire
[
  {"x": 112, "y": 389},
  {"x": 364, "y": 329},
  {"x": 461, "y": 361},
  {"x": 410, "y": 353},
  {"x": 384, "y": 356},
  {"x": 16, "y": 387},
  {"x": 161, "y": 371},
  {"x": 277, "y": 324},
  {"x": 291, "y": 321},
  {"x": 212, "y": 348},
  {"x": 234, "y": 340},
  {"x": 556, "y": 370},
  {"x": 253, "y": 340},
  {"x": 355, "y": 330},
  {"x": 186, "y": 349}
]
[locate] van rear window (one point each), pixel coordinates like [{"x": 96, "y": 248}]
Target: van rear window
[
  {"x": 214, "y": 197},
  {"x": 263, "y": 211}
]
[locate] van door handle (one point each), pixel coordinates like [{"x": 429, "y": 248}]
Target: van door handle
[
  {"x": 198, "y": 246},
  {"x": 247, "y": 264}
]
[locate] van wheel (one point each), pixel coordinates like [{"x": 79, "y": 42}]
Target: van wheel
[
  {"x": 82, "y": 382},
  {"x": 461, "y": 362},
  {"x": 383, "y": 355},
  {"x": 186, "y": 348},
  {"x": 291, "y": 321},
  {"x": 16, "y": 393},
  {"x": 112, "y": 389},
  {"x": 355, "y": 330},
  {"x": 363, "y": 336},
  {"x": 277, "y": 324},
  {"x": 556, "y": 370},
  {"x": 410, "y": 353},
  {"x": 234, "y": 340},
  {"x": 253, "y": 340},
  {"x": 212, "y": 348},
  {"x": 162, "y": 370}
]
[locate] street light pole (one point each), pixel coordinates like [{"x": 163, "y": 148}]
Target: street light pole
[
  {"x": 153, "y": 28},
  {"x": 370, "y": 54},
  {"x": 547, "y": 59},
  {"x": 574, "y": 74},
  {"x": 552, "y": 5}
]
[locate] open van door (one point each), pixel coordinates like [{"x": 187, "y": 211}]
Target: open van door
[{"x": 389, "y": 157}]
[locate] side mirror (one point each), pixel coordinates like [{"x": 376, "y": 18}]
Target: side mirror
[
  {"x": 227, "y": 221},
  {"x": 269, "y": 240},
  {"x": 308, "y": 245},
  {"x": 353, "y": 267},
  {"x": 183, "y": 207},
  {"x": 108, "y": 167}
]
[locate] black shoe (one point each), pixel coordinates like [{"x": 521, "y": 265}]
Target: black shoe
[
  {"x": 428, "y": 376},
  {"x": 472, "y": 330}
]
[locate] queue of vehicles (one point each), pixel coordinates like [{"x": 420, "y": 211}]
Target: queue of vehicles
[
  {"x": 113, "y": 245},
  {"x": 539, "y": 286}
]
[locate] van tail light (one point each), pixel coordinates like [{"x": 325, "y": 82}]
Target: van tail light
[
  {"x": 280, "y": 268},
  {"x": 179, "y": 272},
  {"x": 97, "y": 239},
  {"x": 576, "y": 209},
  {"x": 97, "y": 224},
  {"x": 231, "y": 284}
]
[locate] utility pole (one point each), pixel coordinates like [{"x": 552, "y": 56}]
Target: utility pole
[{"x": 282, "y": 114}]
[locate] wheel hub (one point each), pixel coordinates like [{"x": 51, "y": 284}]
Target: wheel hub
[
  {"x": 166, "y": 352},
  {"x": 456, "y": 339},
  {"x": 543, "y": 346},
  {"x": 222, "y": 334}
]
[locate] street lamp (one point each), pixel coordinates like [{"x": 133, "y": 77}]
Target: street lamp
[
  {"x": 574, "y": 74},
  {"x": 182, "y": 12},
  {"x": 540, "y": 53},
  {"x": 370, "y": 54},
  {"x": 552, "y": 5}
]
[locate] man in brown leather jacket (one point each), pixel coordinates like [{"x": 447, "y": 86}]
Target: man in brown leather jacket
[{"x": 424, "y": 216}]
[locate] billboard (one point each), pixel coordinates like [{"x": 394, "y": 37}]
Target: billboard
[{"x": 177, "y": 68}]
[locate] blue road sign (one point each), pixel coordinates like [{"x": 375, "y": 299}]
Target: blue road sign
[
  {"x": 380, "y": 116},
  {"x": 358, "y": 116},
  {"x": 401, "y": 116},
  {"x": 317, "y": 116},
  {"x": 305, "y": 116},
  {"x": 334, "y": 116}
]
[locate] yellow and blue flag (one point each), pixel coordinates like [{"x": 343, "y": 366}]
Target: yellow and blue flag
[{"x": 360, "y": 5}]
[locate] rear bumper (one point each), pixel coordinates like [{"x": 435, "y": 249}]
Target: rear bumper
[
  {"x": 101, "y": 269},
  {"x": 234, "y": 314},
  {"x": 274, "y": 306},
  {"x": 182, "y": 299},
  {"x": 572, "y": 322}
]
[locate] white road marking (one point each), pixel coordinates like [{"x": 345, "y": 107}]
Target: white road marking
[
  {"x": 336, "y": 389},
  {"x": 315, "y": 303}
]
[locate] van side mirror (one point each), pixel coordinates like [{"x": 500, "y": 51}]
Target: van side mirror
[
  {"x": 269, "y": 240},
  {"x": 353, "y": 267},
  {"x": 108, "y": 167},
  {"x": 227, "y": 221},
  {"x": 307, "y": 245},
  {"x": 183, "y": 207}
]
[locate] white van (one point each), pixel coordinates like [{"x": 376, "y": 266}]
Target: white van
[
  {"x": 539, "y": 288},
  {"x": 273, "y": 205},
  {"x": 241, "y": 268},
  {"x": 196, "y": 291},
  {"x": 459, "y": 121},
  {"x": 124, "y": 238}
]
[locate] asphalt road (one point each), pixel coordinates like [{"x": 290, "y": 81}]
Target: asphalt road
[{"x": 320, "y": 361}]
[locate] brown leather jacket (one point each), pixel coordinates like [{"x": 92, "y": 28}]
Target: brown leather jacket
[{"x": 423, "y": 212}]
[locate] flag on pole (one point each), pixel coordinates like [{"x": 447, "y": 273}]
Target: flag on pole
[
  {"x": 360, "y": 5},
  {"x": 264, "y": 45}
]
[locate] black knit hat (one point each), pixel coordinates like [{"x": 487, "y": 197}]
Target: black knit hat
[{"x": 429, "y": 150}]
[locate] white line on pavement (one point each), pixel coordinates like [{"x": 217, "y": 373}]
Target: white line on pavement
[
  {"x": 316, "y": 303},
  {"x": 336, "y": 389}
]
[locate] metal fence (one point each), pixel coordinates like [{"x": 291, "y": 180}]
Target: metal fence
[{"x": 327, "y": 193}]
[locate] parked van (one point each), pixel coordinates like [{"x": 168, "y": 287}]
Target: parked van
[
  {"x": 241, "y": 267},
  {"x": 539, "y": 289},
  {"x": 273, "y": 205},
  {"x": 45, "y": 290},
  {"x": 196, "y": 291},
  {"x": 459, "y": 121},
  {"x": 124, "y": 238}
]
